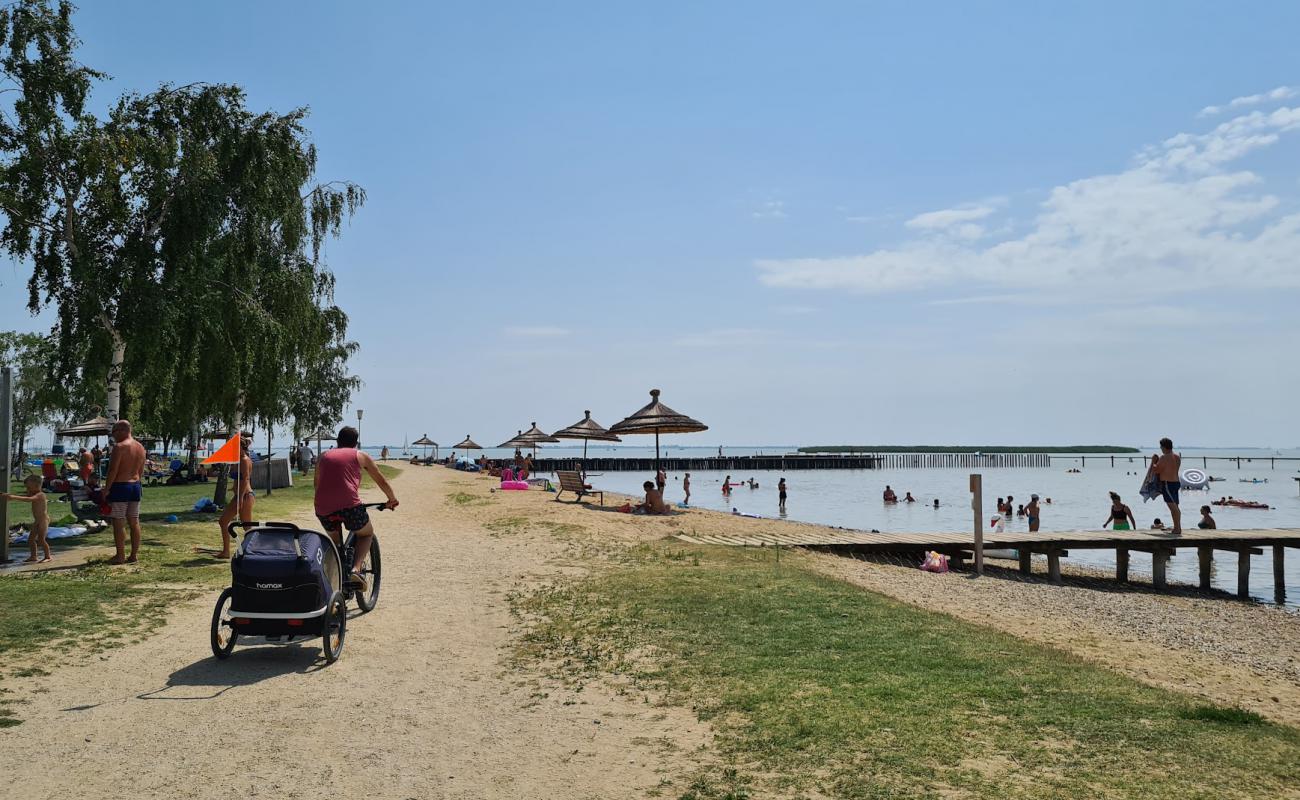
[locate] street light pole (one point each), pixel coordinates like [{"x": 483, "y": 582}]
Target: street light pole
[{"x": 359, "y": 413}]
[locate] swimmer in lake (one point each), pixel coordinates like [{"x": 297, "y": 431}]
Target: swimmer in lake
[{"x": 889, "y": 495}]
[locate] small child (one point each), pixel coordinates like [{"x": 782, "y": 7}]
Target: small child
[{"x": 40, "y": 516}]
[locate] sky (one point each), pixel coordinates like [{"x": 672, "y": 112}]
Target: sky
[{"x": 806, "y": 223}]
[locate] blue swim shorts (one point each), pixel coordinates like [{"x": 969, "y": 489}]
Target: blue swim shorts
[{"x": 1169, "y": 491}]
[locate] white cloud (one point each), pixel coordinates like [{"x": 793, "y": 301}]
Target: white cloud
[
  {"x": 537, "y": 331},
  {"x": 721, "y": 337},
  {"x": 948, "y": 217},
  {"x": 772, "y": 209},
  {"x": 1278, "y": 94},
  {"x": 1178, "y": 220}
]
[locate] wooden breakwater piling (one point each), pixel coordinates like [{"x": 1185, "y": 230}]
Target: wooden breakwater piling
[{"x": 799, "y": 461}]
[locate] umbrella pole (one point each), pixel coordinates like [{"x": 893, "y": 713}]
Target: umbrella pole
[{"x": 656, "y": 452}]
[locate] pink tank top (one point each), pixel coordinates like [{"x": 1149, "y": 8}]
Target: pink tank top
[{"x": 338, "y": 481}]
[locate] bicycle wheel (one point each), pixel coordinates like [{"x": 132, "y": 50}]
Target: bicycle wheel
[
  {"x": 334, "y": 628},
  {"x": 223, "y": 635},
  {"x": 370, "y": 570}
]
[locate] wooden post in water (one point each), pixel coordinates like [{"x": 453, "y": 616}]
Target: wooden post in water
[
  {"x": 1279, "y": 573},
  {"x": 1206, "y": 556},
  {"x": 977, "y": 504},
  {"x": 1243, "y": 573},
  {"x": 1159, "y": 562}
]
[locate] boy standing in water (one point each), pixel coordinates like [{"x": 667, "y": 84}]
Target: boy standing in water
[
  {"x": 40, "y": 516},
  {"x": 780, "y": 488}
]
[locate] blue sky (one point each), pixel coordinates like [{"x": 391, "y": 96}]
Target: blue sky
[{"x": 814, "y": 222}]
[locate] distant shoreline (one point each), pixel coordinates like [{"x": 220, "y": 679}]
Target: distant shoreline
[{"x": 894, "y": 448}]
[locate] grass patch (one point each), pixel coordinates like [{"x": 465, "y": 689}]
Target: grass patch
[
  {"x": 467, "y": 499},
  {"x": 816, "y": 686},
  {"x": 1227, "y": 716}
]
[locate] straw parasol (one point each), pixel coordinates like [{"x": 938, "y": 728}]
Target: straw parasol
[
  {"x": 586, "y": 430},
  {"x": 657, "y": 418},
  {"x": 321, "y": 435},
  {"x": 468, "y": 445},
  {"x": 425, "y": 442},
  {"x": 95, "y": 426},
  {"x": 534, "y": 436}
]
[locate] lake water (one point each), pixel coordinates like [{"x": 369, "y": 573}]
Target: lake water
[{"x": 1080, "y": 501}]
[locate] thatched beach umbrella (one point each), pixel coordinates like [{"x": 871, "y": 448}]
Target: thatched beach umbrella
[
  {"x": 657, "y": 418},
  {"x": 95, "y": 426},
  {"x": 586, "y": 429},
  {"x": 319, "y": 436},
  {"x": 425, "y": 442},
  {"x": 468, "y": 445},
  {"x": 534, "y": 436}
]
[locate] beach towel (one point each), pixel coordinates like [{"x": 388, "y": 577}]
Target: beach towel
[
  {"x": 53, "y": 533},
  {"x": 1151, "y": 488}
]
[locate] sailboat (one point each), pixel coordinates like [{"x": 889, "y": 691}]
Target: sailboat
[{"x": 406, "y": 448}]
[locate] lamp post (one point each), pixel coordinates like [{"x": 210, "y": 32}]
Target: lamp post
[{"x": 359, "y": 413}]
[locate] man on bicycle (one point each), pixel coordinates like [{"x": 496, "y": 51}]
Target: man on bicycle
[{"x": 338, "y": 502}]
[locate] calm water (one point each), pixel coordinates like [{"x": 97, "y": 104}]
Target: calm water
[{"x": 852, "y": 499}]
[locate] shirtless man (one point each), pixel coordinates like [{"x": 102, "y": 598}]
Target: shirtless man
[
  {"x": 686, "y": 487},
  {"x": 1034, "y": 513},
  {"x": 661, "y": 480},
  {"x": 654, "y": 500},
  {"x": 125, "y": 465},
  {"x": 889, "y": 495},
  {"x": 1166, "y": 466}
]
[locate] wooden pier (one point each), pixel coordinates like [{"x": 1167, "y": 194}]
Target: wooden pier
[
  {"x": 1055, "y": 545},
  {"x": 800, "y": 461}
]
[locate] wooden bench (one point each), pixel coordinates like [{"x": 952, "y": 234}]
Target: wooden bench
[{"x": 571, "y": 481}]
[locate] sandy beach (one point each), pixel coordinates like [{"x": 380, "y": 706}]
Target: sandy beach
[{"x": 426, "y": 703}]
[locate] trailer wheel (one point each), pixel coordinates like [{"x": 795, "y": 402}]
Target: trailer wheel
[
  {"x": 335, "y": 628},
  {"x": 224, "y": 634}
]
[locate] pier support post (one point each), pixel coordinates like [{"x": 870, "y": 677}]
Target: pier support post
[
  {"x": 1054, "y": 566},
  {"x": 1159, "y": 564},
  {"x": 1279, "y": 573},
  {"x": 1026, "y": 557},
  {"x": 1121, "y": 565},
  {"x": 1206, "y": 555},
  {"x": 1243, "y": 573}
]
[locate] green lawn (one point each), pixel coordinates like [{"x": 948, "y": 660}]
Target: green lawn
[
  {"x": 817, "y": 687},
  {"x": 95, "y": 606}
]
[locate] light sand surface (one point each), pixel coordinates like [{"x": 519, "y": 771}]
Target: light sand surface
[
  {"x": 420, "y": 705},
  {"x": 424, "y": 704}
]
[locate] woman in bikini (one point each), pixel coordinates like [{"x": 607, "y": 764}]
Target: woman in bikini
[
  {"x": 243, "y": 501},
  {"x": 1120, "y": 514}
]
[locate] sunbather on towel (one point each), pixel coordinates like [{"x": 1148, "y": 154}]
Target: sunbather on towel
[{"x": 654, "y": 500}]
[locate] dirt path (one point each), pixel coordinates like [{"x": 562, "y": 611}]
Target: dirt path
[{"x": 421, "y": 704}]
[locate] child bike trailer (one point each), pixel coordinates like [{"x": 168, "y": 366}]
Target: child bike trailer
[{"x": 286, "y": 584}]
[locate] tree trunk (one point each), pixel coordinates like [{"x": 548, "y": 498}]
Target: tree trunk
[{"x": 113, "y": 402}]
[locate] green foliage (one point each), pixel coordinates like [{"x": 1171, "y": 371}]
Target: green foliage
[
  {"x": 180, "y": 239},
  {"x": 36, "y": 398}
]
